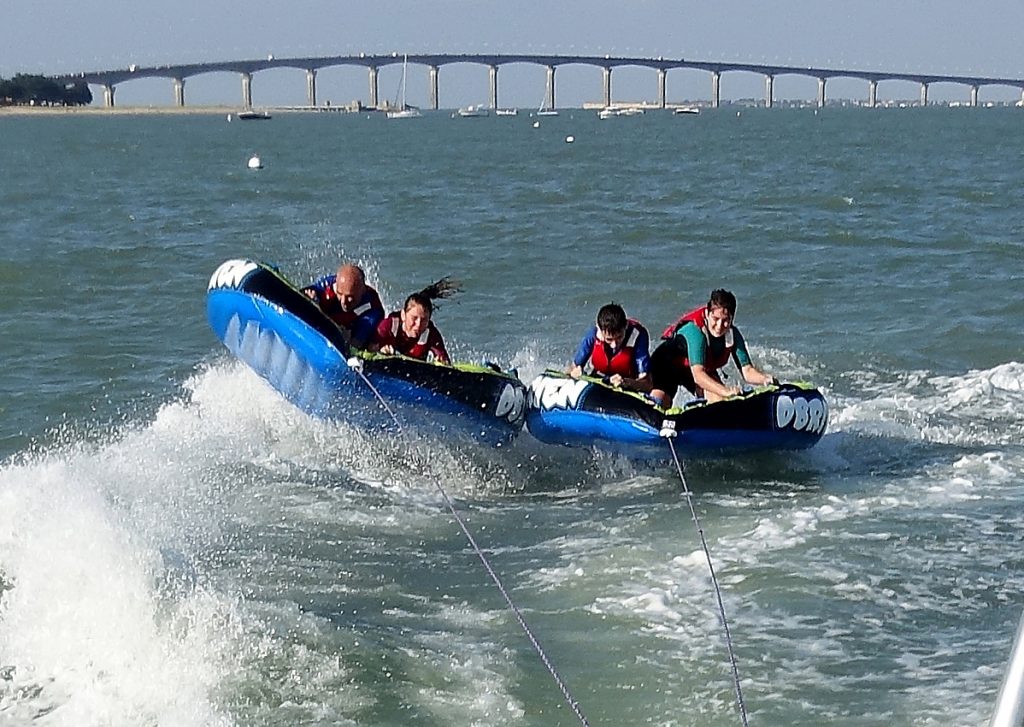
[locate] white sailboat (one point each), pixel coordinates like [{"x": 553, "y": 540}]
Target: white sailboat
[
  {"x": 405, "y": 111},
  {"x": 541, "y": 111}
]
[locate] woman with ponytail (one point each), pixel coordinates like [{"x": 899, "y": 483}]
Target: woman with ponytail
[{"x": 410, "y": 331}]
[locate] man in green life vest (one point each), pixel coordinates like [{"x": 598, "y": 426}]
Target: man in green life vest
[{"x": 696, "y": 346}]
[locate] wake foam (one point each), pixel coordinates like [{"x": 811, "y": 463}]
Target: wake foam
[{"x": 982, "y": 407}]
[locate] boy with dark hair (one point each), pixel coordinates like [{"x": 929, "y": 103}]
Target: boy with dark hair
[{"x": 617, "y": 349}]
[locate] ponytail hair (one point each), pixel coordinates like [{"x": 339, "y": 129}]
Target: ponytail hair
[{"x": 439, "y": 289}]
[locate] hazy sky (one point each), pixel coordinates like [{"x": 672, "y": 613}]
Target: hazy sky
[{"x": 937, "y": 36}]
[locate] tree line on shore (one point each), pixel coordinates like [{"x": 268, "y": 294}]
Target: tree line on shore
[{"x": 28, "y": 90}]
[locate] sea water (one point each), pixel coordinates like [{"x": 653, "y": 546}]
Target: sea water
[{"x": 180, "y": 546}]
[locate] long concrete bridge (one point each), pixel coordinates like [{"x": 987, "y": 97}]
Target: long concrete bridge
[{"x": 109, "y": 80}]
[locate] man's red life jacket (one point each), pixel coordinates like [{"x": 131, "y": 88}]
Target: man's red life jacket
[{"x": 330, "y": 305}]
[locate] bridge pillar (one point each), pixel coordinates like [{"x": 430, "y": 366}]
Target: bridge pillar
[
  {"x": 179, "y": 92},
  {"x": 247, "y": 90},
  {"x": 374, "y": 99},
  {"x": 549, "y": 102},
  {"x": 493, "y": 74},
  {"x": 716, "y": 89},
  {"x": 821, "y": 93},
  {"x": 924, "y": 94},
  {"x": 607, "y": 73},
  {"x": 433, "y": 91},
  {"x": 108, "y": 95},
  {"x": 974, "y": 96},
  {"x": 311, "y": 86},
  {"x": 769, "y": 90},
  {"x": 872, "y": 93},
  {"x": 662, "y": 73}
]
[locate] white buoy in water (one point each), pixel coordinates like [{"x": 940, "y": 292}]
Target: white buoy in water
[
  {"x": 255, "y": 162},
  {"x": 570, "y": 139},
  {"x": 536, "y": 124}
]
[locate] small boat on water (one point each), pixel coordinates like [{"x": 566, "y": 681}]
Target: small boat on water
[
  {"x": 473, "y": 112},
  {"x": 409, "y": 112},
  {"x": 587, "y": 412},
  {"x": 506, "y": 112},
  {"x": 609, "y": 111},
  {"x": 686, "y": 110},
  {"x": 250, "y": 115},
  {"x": 283, "y": 336}
]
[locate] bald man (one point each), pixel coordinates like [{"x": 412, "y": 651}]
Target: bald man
[{"x": 348, "y": 301}]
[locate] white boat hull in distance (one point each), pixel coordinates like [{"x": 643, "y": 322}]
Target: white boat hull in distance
[
  {"x": 506, "y": 112},
  {"x": 610, "y": 111},
  {"x": 409, "y": 113},
  {"x": 473, "y": 112},
  {"x": 251, "y": 115}
]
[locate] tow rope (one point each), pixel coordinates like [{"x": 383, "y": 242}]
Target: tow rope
[
  {"x": 668, "y": 431},
  {"x": 356, "y": 365}
]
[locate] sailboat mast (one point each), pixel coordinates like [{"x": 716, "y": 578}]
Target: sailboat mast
[
  {"x": 404, "y": 111},
  {"x": 405, "y": 67}
]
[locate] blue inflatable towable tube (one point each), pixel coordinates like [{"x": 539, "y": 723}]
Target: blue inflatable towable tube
[
  {"x": 284, "y": 337},
  {"x": 588, "y": 413}
]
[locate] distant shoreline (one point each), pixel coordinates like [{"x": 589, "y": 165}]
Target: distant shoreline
[
  {"x": 168, "y": 110},
  {"x": 225, "y": 110},
  {"x": 115, "y": 111}
]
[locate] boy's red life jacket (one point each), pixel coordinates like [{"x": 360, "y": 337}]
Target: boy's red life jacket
[{"x": 623, "y": 361}]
